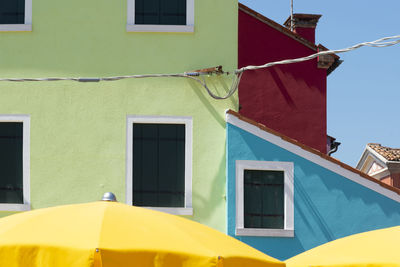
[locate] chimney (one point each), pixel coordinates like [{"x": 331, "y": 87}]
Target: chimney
[{"x": 304, "y": 25}]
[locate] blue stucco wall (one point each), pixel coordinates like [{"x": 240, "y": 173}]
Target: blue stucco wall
[{"x": 327, "y": 206}]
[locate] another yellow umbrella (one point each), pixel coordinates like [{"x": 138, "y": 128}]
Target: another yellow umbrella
[
  {"x": 112, "y": 234},
  {"x": 374, "y": 248}
]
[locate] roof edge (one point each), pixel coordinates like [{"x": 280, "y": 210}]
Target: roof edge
[
  {"x": 362, "y": 159},
  {"x": 292, "y": 35},
  {"x": 376, "y": 154},
  {"x": 383, "y": 154},
  {"x": 319, "y": 158},
  {"x": 277, "y": 26}
]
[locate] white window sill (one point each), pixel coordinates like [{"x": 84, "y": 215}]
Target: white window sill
[
  {"x": 159, "y": 28},
  {"x": 264, "y": 232},
  {"x": 15, "y": 27},
  {"x": 14, "y": 207},
  {"x": 174, "y": 211}
]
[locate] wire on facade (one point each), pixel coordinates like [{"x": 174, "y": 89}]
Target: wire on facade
[{"x": 196, "y": 75}]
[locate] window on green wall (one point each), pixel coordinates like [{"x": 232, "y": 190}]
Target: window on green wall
[
  {"x": 160, "y": 12},
  {"x": 160, "y": 16},
  {"x": 11, "y": 182},
  {"x": 159, "y": 164},
  {"x": 14, "y": 162},
  {"x": 15, "y": 15},
  {"x": 12, "y": 11},
  {"x": 264, "y": 198}
]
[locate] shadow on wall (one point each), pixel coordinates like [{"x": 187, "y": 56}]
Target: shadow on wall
[
  {"x": 282, "y": 88},
  {"x": 214, "y": 83},
  {"x": 206, "y": 205},
  {"x": 312, "y": 209},
  {"x": 372, "y": 210},
  {"x": 329, "y": 206}
]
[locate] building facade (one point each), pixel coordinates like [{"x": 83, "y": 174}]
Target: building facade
[
  {"x": 381, "y": 163},
  {"x": 289, "y": 98},
  {"x": 284, "y": 197},
  {"x": 72, "y": 141},
  {"x": 163, "y": 142}
]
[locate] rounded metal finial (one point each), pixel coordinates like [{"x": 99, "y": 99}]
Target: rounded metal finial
[{"x": 109, "y": 197}]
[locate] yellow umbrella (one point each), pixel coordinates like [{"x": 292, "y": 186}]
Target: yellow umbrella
[
  {"x": 112, "y": 234},
  {"x": 374, "y": 248}
]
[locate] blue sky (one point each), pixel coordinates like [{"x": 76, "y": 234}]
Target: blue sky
[{"x": 364, "y": 92}]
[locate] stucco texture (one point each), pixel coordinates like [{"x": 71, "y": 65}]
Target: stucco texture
[
  {"x": 78, "y": 130},
  {"x": 298, "y": 91},
  {"x": 327, "y": 206}
]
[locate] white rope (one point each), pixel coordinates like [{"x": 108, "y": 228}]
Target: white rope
[
  {"x": 383, "y": 42},
  {"x": 377, "y": 43}
]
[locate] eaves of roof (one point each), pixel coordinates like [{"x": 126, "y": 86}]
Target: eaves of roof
[
  {"x": 369, "y": 152},
  {"x": 390, "y": 154}
]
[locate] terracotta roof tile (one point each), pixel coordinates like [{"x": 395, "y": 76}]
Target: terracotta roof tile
[
  {"x": 314, "y": 151},
  {"x": 391, "y": 154}
]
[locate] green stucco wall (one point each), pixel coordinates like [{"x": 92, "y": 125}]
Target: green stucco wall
[{"x": 78, "y": 130}]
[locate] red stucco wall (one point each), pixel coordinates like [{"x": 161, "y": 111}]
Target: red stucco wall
[
  {"x": 290, "y": 99},
  {"x": 308, "y": 33},
  {"x": 387, "y": 180},
  {"x": 395, "y": 177}
]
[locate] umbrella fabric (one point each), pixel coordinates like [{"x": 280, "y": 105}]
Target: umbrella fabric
[
  {"x": 112, "y": 234},
  {"x": 373, "y": 248}
]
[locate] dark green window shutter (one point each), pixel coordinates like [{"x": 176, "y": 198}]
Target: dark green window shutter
[
  {"x": 263, "y": 199},
  {"x": 159, "y": 165},
  {"x": 160, "y": 12},
  {"x": 11, "y": 162},
  {"x": 12, "y": 11}
]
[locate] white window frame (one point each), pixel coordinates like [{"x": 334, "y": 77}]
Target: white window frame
[
  {"x": 27, "y": 26},
  {"x": 188, "y": 122},
  {"x": 25, "y": 119},
  {"x": 287, "y": 168},
  {"x": 132, "y": 27}
]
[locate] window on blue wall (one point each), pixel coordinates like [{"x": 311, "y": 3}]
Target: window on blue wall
[
  {"x": 11, "y": 167},
  {"x": 12, "y": 11},
  {"x": 264, "y": 199},
  {"x": 158, "y": 165},
  {"x": 160, "y": 12}
]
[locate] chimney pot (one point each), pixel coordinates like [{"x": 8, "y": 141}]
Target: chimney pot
[{"x": 304, "y": 25}]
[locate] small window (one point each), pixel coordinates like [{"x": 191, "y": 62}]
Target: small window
[
  {"x": 15, "y": 15},
  {"x": 160, "y": 15},
  {"x": 160, "y": 12},
  {"x": 12, "y": 12},
  {"x": 264, "y": 198},
  {"x": 11, "y": 162},
  {"x": 159, "y": 167},
  {"x": 14, "y": 162}
]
